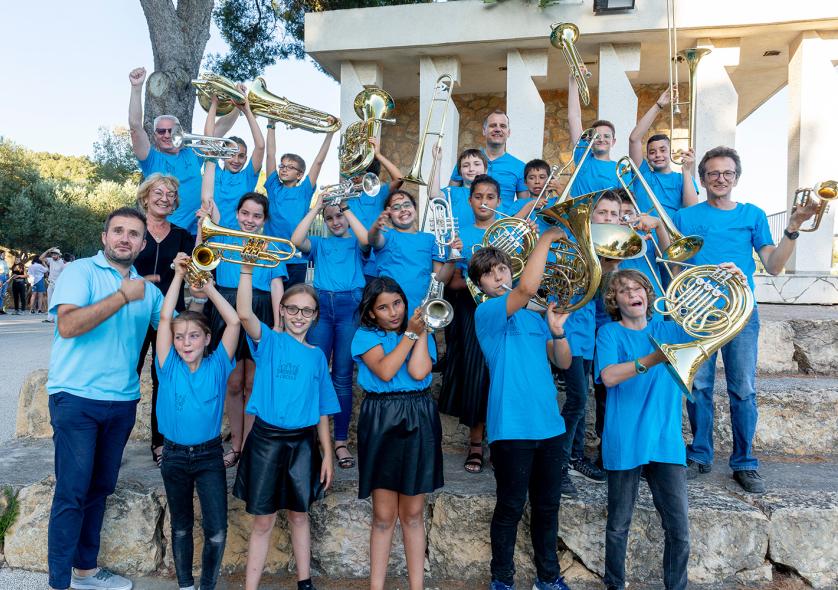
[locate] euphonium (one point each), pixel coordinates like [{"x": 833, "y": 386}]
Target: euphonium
[
  {"x": 436, "y": 311},
  {"x": 712, "y": 305},
  {"x": 208, "y": 85},
  {"x": 335, "y": 194},
  {"x": 205, "y": 146},
  {"x": 442, "y": 93},
  {"x": 255, "y": 249},
  {"x": 355, "y": 152},
  {"x": 278, "y": 108},
  {"x": 822, "y": 193},
  {"x": 564, "y": 36}
]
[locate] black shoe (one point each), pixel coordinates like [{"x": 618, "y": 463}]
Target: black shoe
[
  {"x": 750, "y": 480},
  {"x": 584, "y": 468},
  {"x": 568, "y": 489},
  {"x": 695, "y": 469}
]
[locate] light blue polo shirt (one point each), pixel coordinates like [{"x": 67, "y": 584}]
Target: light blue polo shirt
[
  {"x": 229, "y": 188},
  {"x": 366, "y": 339},
  {"x": 227, "y": 273},
  {"x": 190, "y": 405},
  {"x": 186, "y": 167},
  {"x": 337, "y": 263},
  {"x": 668, "y": 189},
  {"x": 507, "y": 170},
  {"x": 642, "y": 414},
  {"x": 367, "y": 209},
  {"x": 100, "y": 364},
  {"x": 523, "y": 401},
  {"x": 292, "y": 387},
  {"x": 729, "y": 235},
  {"x": 595, "y": 175},
  {"x": 409, "y": 259}
]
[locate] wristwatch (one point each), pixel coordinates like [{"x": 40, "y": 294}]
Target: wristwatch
[
  {"x": 412, "y": 336},
  {"x": 561, "y": 336},
  {"x": 639, "y": 367},
  {"x": 792, "y": 235}
]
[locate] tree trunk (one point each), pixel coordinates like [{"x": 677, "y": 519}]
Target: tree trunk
[{"x": 178, "y": 39}]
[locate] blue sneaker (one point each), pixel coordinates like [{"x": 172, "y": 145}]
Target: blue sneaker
[
  {"x": 498, "y": 585},
  {"x": 557, "y": 584}
]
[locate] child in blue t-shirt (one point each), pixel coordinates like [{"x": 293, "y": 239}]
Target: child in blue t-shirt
[
  {"x": 642, "y": 425},
  {"x": 399, "y": 431},
  {"x": 470, "y": 164},
  {"x": 281, "y": 466},
  {"x": 190, "y": 404},
  {"x": 524, "y": 425},
  {"x": 339, "y": 281}
]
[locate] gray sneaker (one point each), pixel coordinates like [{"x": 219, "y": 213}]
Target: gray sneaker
[
  {"x": 695, "y": 469},
  {"x": 102, "y": 580},
  {"x": 750, "y": 480}
]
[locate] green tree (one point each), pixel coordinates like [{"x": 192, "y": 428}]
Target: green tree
[{"x": 114, "y": 157}]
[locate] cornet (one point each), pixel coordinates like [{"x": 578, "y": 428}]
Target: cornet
[
  {"x": 205, "y": 146},
  {"x": 437, "y": 313},
  {"x": 443, "y": 225},
  {"x": 335, "y": 194},
  {"x": 822, "y": 193},
  {"x": 564, "y": 36}
]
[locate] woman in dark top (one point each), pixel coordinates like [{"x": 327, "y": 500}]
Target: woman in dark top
[
  {"x": 158, "y": 197},
  {"x": 18, "y": 279}
]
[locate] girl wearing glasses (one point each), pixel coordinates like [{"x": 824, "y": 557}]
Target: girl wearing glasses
[
  {"x": 281, "y": 467},
  {"x": 399, "y": 432},
  {"x": 339, "y": 280}
]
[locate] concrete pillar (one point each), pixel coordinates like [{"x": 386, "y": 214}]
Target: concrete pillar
[
  {"x": 812, "y": 130},
  {"x": 617, "y": 100},
  {"x": 430, "y": 69},
  {"x": 718, "y": 100},
  {"x": 353, "y": 77},
  {"x": 523, "y": 102}
]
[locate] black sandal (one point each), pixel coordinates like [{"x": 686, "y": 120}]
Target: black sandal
[
  {"x": 157, "y": 456},
  {"x": 345, "y": 462},
  {"x": 474, "y": 461},
  {"x": 231, "y": 462}
]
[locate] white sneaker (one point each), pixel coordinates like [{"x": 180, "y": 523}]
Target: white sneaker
[{"x": 102, "y": 580}]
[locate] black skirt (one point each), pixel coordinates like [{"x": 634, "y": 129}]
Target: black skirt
[
  {"x": 399, "y": 443},
  {"x": 279, "y": 469},
  {"x": 261, "y": 307},
  {"x": 465, "y": 379}
]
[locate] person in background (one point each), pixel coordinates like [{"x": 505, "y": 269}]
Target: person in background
[
  {"x": 54, "y": 262},
  {"x": 18, "y": 279},
  {"x": 4, "y": 281},
  {"x": 37, "y": 274}
]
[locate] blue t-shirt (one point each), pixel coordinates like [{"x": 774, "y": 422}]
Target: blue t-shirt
[
  {"x": 292, "y": 387},
  {"x": 190, "y": 405},
  {"x": 460, "y": 206},
  {"x": 522, "y": 395},
  {"x": 729, "y": 235},
  {"x": 227, "y": 273},
  {"x": 367, "y": 209},
  {"x": 100, "y": 364},
  {"x": 337, "y": 263},
  {"x": 287, "y": 206},
  {"x": 580, "y": 327},
  {"x": 642, "y": 414},
  {"x": 366, "y": 339},
  {"x": 668, "y": 189},
  {"x": 409, "y": 259},
  {"x": 471, "y": 236},
  {"x": 652, "y": 273},
  {"x": 186, "y": 167},
  {"x": 507, "y": 170},
  {"x": 229, "y": 188},
  {"x": 595, "y": 175}
]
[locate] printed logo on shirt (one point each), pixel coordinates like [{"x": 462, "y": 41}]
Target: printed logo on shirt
[
  {"x": 287, "y": 371},
  {"x": 701, "y": 230}
]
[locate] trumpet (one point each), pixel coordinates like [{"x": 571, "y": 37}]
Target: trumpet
[
  {"x": 255, "y": 250},
  {"x": 442, "y": 93},
  {"x": 564, "y": 36},
  {"x": 335, "y": 194},
  {"x": 437, "y": 313},
  {"x": 278, "y": 108},
  {"x": 355, "y": 153},
  {"x": 205, "y": 146},
  {"x": 822, "y": 193},
  {"x": 208, "y": 85}
]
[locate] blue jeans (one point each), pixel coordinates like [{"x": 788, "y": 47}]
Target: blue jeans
[
  {"x": 186, "y": 468},
  {"x": 333, "y": 334},
  {"x": 668, "y": 484},
  {"x": 740, "y": 361},
  {"x": 89, "y": 437},
  {"x": 4, "y": 284},
  {"x": 576, "y": 379}
]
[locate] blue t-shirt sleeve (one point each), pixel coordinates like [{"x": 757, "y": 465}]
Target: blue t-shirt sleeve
[
  {"x": 307, "y": 187},
  {"x": 266, "y": 341},
  {"x": 167, "y": 368},
  {"x": 252, "y": 176},
  {"x": 150, "y": 164},
  {"x": 490, "y": 318},
  {"x": 455, "y": 174},
  {"x": 73, "y": 286},
  {"x": 279, "y": 272},
  {"x": 521, "y": 185},
  {"x": 607, "y": 352},
  {"x": 762, "y": 233},
  {"x": 222, "y": 366},
  {"x": 387, "y": 241},
  {"x": 363, "y": 341}
]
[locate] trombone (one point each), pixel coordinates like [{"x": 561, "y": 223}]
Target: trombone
[
  {"x": 278, "y": 108},
  {"x": 691, "y": 56},
  {"x": 205, "y": 146},
  {"x": 822, "y": 193},
  {"x": 564, "y": 36},
  {"x": 443, "y": 86}
]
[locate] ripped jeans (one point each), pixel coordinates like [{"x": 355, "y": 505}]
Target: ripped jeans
[{"x": 186, "y": 468}]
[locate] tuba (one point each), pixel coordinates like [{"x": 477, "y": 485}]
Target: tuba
[
  {"x": 255, "y": 250},
  {"x": 442, "y": 93},
  {"x": 335, "y": 194},
  {"x": 205, "y": 146},
  {"x": 208, "y": 85},
  {"x": 437, "y": 313},
  {"x": 355, "y": 153},
  {"x": 712, "y": 305},
  {"x": 564, "y": 36},
  {"x": 822, "y": 193},
  {"x": 278, "y": 108}
]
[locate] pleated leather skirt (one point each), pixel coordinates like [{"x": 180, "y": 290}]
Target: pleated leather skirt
[
  {"x": 279, "y": 469},
  {"x": 261, "y": 307},
  {"x": 399, "y": 443}
]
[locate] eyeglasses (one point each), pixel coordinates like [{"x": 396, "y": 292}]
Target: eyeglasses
[
  {"x": 714, "y": 175},
  {"x": 294, "y": 310},
  {"x": 400, "y": 206},
  {"x": 160, "y": 193},
  {"x": 288, "y": 167},
  {"x": 606, "y": 136},
  {"x": 161, "y": 131}
]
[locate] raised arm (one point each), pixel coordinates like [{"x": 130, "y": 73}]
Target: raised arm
[
  {"x": 244, "y": 303},
  {"x": 225, "y": 123},
  {"x": 358, "y": 228},
  {"x": 636, "y": 152},
  {"x": 574, "y": 110},
  {"x": 396, "y": 176},
  {"x": 258, "y": 154},
  {"x": 300, "y": 236},
  {"x": 277, "y": 290},
  {"x": 74, "y": 320},
  {"x": 139, "y": 138},
  {"x": 689, "y": 196},
  {"x": 374, "y": 236},
  {"x": 208, "y": 188},
  {"x": 270, "y": 155},
  {"x": 317, "y": 165},
  {"x": 774, "y": 258},
  {"x": 385, "y": 366},
  {"x": 164, "y": 328},
  {"x": 43, "y": 257},
  {"x": 558, "y": 349},
  {"x": 530, "y": 280}
]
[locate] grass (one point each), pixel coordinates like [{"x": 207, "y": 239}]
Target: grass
[{"x": 9, "y": 515}]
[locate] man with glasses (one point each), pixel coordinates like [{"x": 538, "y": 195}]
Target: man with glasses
[
  {"x": 161, "y": 155},
  {"x": 732, "y": 232}
]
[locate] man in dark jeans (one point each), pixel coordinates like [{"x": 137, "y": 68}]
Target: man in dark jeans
[{"x": 103, "y": 311}]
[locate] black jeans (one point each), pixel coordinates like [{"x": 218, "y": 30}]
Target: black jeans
[
  {"x": 576, "y": 378},
  {"x": 19, "y": 294},
  {"x": 186, "y": 468},
  {"x": 522, "y": 466},
  {"x": 668, "y": 484},
  {"x": 151, "y": 341}
]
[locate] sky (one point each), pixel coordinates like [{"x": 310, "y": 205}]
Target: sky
[{"x": 68, "y": 77}]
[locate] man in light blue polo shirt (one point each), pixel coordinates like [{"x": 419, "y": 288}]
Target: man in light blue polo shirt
[
  {"x": 104, "y": 310},
  {"x": 164, "y": 157},
  {"x": 503, "y": 166}
]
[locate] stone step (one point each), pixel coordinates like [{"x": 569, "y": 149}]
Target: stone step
[
  {"x": 735, "y": 537},
  {"x": 798, "y": 338}
]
